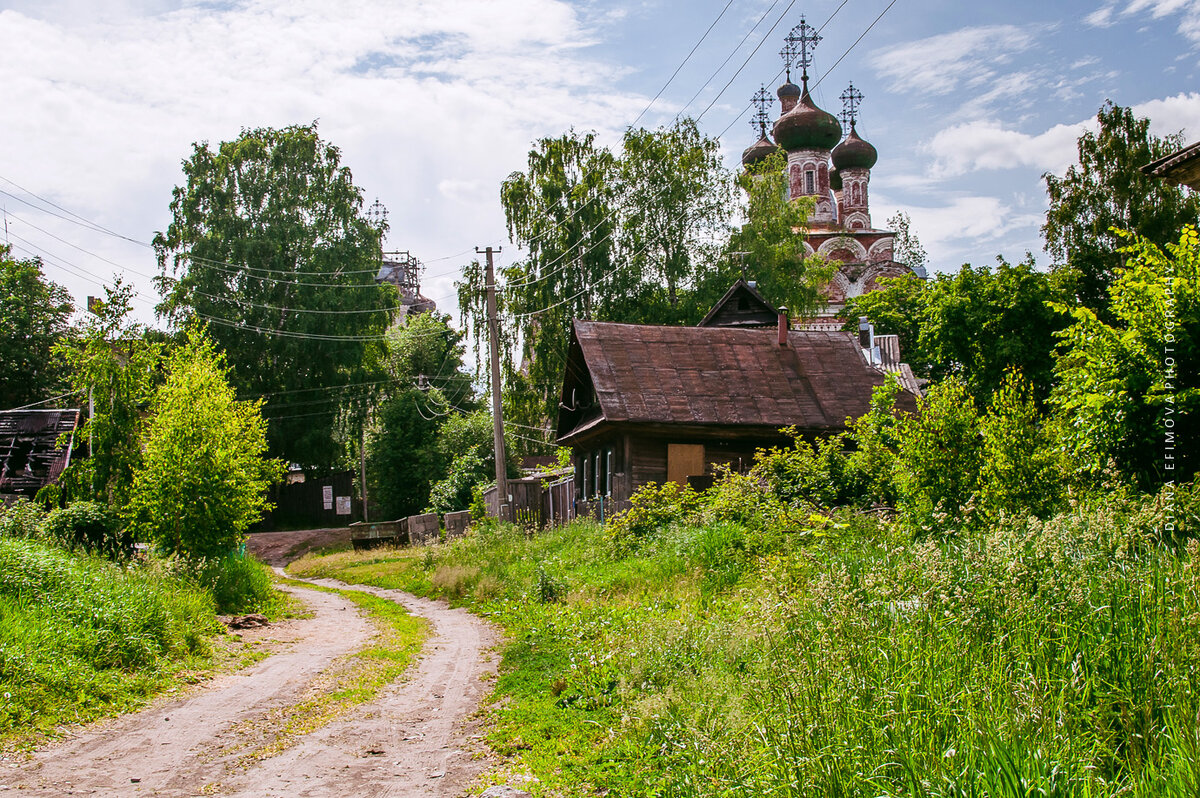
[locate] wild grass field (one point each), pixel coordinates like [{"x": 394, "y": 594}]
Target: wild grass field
[
  {"x": 84, "y": 637},
  {"x": 843, "y": 658}
]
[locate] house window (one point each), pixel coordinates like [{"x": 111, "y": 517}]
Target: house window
[
  {"x": 583, "y": 477},
  {"x": 608, "y": 472},
  {"x": 810, "y": 182},
  {"x": 597, "y": 475}
]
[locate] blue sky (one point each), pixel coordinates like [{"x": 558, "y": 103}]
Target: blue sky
[{"x": 434, "y": 102}]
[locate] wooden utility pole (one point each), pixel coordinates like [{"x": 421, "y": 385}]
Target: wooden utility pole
[{"x": 497, "y": 417}]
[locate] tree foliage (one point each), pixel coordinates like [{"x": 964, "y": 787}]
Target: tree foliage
[
  {"x": 773, "y": 240},
  {"x": 427, "y": 389},
  {"x": 614, "y": 237},
  {"x": 975, "y": 324},
  {"x": 35, "y": 314},
  {"x": 204, "y": 474},
  {"x": 1129, "y": 393},
  {"x": 268, "y": 243},
  {"x": 1106, "y": 192},
  {"x": 114, "y": 363}
]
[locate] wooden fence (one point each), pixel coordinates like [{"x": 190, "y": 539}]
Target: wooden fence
[{"x": 535, "y": 502}]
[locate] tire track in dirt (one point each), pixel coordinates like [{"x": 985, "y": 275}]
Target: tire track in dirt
[{"x": 415, "y": 739}]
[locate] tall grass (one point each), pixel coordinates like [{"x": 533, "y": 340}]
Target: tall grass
[
  {"x": 80, "y": 636},
  {"x": 1033, "y": 658}
]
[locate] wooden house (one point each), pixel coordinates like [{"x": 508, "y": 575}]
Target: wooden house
[{"x": 643, "y": 403}]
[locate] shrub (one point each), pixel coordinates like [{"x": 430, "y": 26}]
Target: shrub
[
  {"x": 1022, "y": 469},
  {"x": 22, "y": 520},
  {"x": 939, "y": 458},
  {"x": 237, "y": 583},
  {"x": 653, "y": 507},
  {"x": 90, "y": 527},
  {"x": 203, "y": 477}
]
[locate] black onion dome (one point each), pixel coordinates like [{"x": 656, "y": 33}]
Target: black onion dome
[
  {"x": 854, "y": 152},
  {"x": 835, "y": 179},
  {"x": 788, "y": 89},
  {"x": 759, "y": 151},
  {"x": 807, "y": 127}
]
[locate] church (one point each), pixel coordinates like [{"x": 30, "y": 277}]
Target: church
[{"x": 829, "y": 161}]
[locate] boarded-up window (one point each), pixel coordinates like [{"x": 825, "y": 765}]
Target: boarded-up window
[{"x": 684, "y": 460}]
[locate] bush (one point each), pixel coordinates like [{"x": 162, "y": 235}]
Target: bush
[
  {"x": 203, "y": 477},
  {"x": 237, "y": 583},
  {"x": 90, "y": 527},
  {"x": 653, "y": 508},
  {"x": 22, "y": 520}
]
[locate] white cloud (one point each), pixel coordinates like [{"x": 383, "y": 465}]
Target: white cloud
[
  {"x": 1102, "y": 17},
  {"x": 975, "y": 146},
  {"x": 425, "y": 98},
  {"x": 1172, "y": 115},
  {"x": 1188, "y": 10},
  {"x": 964, "y": 58},
  {"x": 968, "y": 228}
]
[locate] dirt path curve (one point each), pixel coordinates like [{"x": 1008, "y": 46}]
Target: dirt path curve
[{"x": 417, "y": 738}]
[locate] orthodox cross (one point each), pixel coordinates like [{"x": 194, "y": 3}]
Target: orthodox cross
[
  {"x": 761, "y": 101},
  {"x": 850, "y": 98},
  {"x": 797, "y": 48}
]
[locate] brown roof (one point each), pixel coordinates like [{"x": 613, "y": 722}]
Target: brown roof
[
  {"x": 1179, "y": 167},
  {"x": 714, "y": 376}
]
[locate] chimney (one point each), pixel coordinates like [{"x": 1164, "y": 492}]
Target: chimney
[
  {"x": 783, "y": 326},
  {"x": 866, "y": 334}
]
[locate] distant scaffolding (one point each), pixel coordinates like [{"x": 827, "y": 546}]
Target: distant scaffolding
[{"x": 403, "y": 270}]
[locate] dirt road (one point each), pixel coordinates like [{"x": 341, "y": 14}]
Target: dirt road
[{"x": 415, "y": 739}]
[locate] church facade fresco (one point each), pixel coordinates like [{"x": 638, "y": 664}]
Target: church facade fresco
[{"x": 829, "y": 161}]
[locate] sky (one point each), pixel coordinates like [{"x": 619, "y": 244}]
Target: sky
[{"x": 432, "y": 103}]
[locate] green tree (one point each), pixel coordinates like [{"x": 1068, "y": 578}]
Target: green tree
[
  {"x": 269, "y": 244},
  {"x": 35, "y": 314},
  {"x": 1105, "y": 192},
  {"x": 939, "y": 458},
  {"x": 975, "y": 324},
  {"x": 114, "y": 365},
  {"x": 773, "y": 237},
  {"x": 675, "y": 201},
  {"x": 204, "y": 475},
  {"x": 465, "y": 444},
  {"x": 1128, "y": 394},
  {"x": 1022, "y": 467},
  {"x": 427, "y": 387},
  {"x": 906, "y": 248}
]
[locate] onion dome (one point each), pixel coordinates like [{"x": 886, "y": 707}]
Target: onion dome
[
  {"x": 807, "y": 127},
  {"x": 835, "y": 179},
  {"x": 759, "y": 151},
  {"x": 854, "y": 152},
  {"x": 788, "y": 94}
]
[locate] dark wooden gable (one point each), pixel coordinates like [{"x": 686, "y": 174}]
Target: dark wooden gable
[
  {"x": 742, "y": 306},
  {"x": 577, "y": 406}
]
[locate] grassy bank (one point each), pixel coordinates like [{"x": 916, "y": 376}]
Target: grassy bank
[
  {"x": 1056, "y": 658},
  {"x": 83, "y": 638}
]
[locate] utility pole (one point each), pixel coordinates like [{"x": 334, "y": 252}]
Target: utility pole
[{"x": 497, "y": 418}]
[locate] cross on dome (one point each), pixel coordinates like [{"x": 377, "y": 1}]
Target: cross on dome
[
  {"x": 761, "y": 101},
  {"x": 798, "y": 46},
  {"x": 850, "y": 98}
]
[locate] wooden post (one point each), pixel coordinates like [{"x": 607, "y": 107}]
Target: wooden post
[{"x": 497, "y": 417}]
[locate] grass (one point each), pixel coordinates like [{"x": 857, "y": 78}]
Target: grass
[
  {"x": 82, "y": 638},
  {"x": 1057, "y": 658}
]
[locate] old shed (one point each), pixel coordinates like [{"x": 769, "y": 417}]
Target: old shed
[{"x": 30, "y": 454}]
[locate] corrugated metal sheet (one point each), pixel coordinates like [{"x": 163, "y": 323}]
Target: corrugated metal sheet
[{"x": 30, "y": 455}]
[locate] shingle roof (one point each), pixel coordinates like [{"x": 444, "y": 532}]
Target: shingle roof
[{"x": 722, "y": 376}]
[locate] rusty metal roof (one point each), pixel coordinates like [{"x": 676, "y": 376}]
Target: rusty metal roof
[
  {"x": 715, "y": 376},
  {"x": 30, "y": 456}
]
